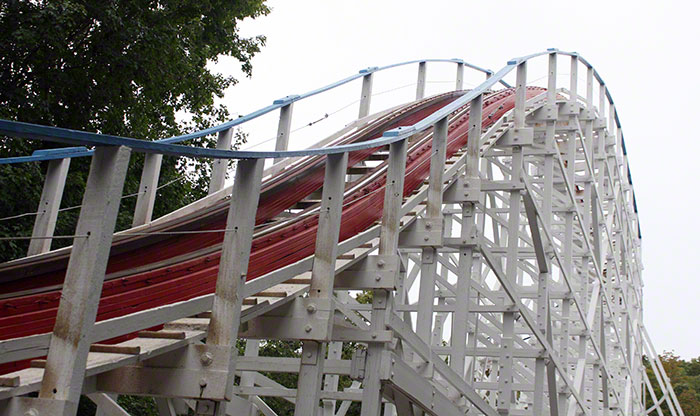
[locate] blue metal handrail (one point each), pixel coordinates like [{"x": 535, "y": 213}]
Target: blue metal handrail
[
  {"x": 166, "y": 146},
  {"x": 51, "y": 154}
]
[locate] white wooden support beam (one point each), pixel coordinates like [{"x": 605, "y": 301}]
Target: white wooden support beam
[
  {"x": 420, "y": 83},
  {"x": 45, "y": 221},
  {"x": 388, "y": 246},
  {"x": 505, "y": 362},
  {"x": 520, "y": 95},
  {"x": 322, "y": 276},
  {"x": 220, "y": 166},
  {"x": 330, "y": 382},
  {"x": 233, "y": 267},
  {"x": 664, "y": 377},
  {"x": 459, "y": 81},
  {"x": 252, "y": 349},
  {"x": 366, "y": 96},
  {"x": 573, "y": 84},
  {"x": 460, "y": 318},
  {"x": 65, "y": 366},
  {"x": 148, "y": 187},
  {"x": 284, "y": 128},
  {"x": 429, "y": 259}
]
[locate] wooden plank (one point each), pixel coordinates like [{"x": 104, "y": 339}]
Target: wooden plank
[
  {"x": 9, "y": 381},
  {"x": 162, "y": 334},
  {"x": 115, "y": 349}
]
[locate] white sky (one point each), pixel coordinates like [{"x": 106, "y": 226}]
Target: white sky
[{"x": 645, "y": 51}]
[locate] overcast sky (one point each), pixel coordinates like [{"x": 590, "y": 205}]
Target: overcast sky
[{"x": 646, "y": 52}]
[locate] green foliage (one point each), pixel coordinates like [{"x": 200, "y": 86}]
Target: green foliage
[
  {"x": 132, "y": 68},
  {"x": 366, "y": 297},
  {"x": 685, "y": 379},
  {"x": 141, "y": 406}
]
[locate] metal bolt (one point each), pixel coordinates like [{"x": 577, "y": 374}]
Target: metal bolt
[
  {"x": 378, "y": 278},
  {"x": 380, "y": 263},
  {"x": 207, "y": 358},
  {"x": 374, "y": 336},
  {"x": 308, "y": 328},
  {"x": 426, "y": 238},
  {"x": 311, "y": 308},
  {"x": 31, "y": 412},
  {"x": 202, "y": 382},
  {"x": 428, "y": 225},
  {"x": 308, "y": 355}
]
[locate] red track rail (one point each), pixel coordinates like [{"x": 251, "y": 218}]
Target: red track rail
[{"x": 145, "y": 273}]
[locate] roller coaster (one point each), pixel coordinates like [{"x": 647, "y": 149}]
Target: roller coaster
[{"x": 494, "y": 230}]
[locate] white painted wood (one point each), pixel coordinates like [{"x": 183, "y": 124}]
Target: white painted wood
[
  {"x": 311, "y": 368},
  {"x": 421, "y": 81},
  {"x": 148, "y": 187},
  {"x": 68, "y": 350},
  {"x": 220, "y": 166},
  {"x": 366, "y": 96},
  {"x": 47, "y": 212}
]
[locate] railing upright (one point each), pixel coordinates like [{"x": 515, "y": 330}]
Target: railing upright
[
  {"x": 322, "y": 282},
  {"x": 459, "y": 81},
  {"x": 382, "y": 298},
  {"x": 420, "y": 83},
  {"x": 366, "y": 96},
  {"x": 47, "y": 213},
  {"x": 220, "y": 166},
  {"x": 233, "y": 268},
  {"x": 148, "y": 187},
  {"x": 70, "y": 340}
]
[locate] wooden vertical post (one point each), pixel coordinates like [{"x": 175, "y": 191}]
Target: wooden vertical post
[
  {"x": 366, "y": 97},
  {"x": 433, "y": 218},
  {"x": 322, "y": 277},
  {"x": 388, "y": 246},
  {"x": 460, "y": 319},
  {"x": 459, "y": 82},
  {"x": 220, "y": 166},
  {"x": 284, "y": 128},
  {"x": 420, "y": 83},
  {"x": 148, "y": 187},
  {"x": 45, "y": 221},
  {"x": 233, "y": 265},
  {"x": 70, "y": 340}
]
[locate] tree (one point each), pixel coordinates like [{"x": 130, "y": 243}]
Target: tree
[
  {"x": 134, "y": 68},
  {"x": 685, "y": 379}
]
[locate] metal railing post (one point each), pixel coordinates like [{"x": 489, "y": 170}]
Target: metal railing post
[
  {"x": 45, "y": 221},
  {"x": 70, "y": 340}
]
